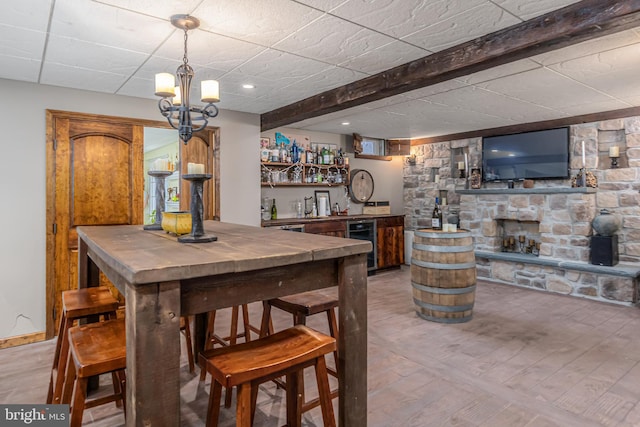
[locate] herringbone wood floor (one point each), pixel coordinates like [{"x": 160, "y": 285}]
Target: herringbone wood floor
[{"x": 526, "y": 359}]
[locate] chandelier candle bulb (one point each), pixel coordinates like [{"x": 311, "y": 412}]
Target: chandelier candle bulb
[
  {"x": 177, "y": 98},
  {"x": 614, "y": 151},
  {"x": 165, "y": 84},
  {"x": 210, "y": 90}
]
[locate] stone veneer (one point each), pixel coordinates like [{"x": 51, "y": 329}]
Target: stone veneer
[{"x": 564, "y": 218}]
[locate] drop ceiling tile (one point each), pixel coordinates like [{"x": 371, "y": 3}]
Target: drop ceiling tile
[
  {"x": 260, "y": 22},
  {"x": 324, "y": 5},
  {"x": 442, "y": 87},
  {"x": 248, "y": 105},
  {"x": 76, "y": 53},
  {"x": 381, "y": 59},
  {"x": 101, "y": 24},
  {"x": 209, "y": 50},
  {"x": 527, "y": 9},
  {"x": 401, "y": 18},
  {"x": 545, "y": 87},
  {"x": 634, "y": 101},
  {"x": 332, "y": 40},
  {"x": 158, "y": 9},
  {"x": 614, "y": 72},
  {"x": 590, "y": 47},
  {"x": 154, "y": 65},
  {"x": 21, "y": 43},
  {"x": 500, "y": 71},
  {"x": 596, "y": 107},
  {"x": 19, "y": 68},
  {"x": 482, "y": 101},
  {"x": 28, "y": 14},
  {"x": 280, "y": 67},
  {"x": 327, "y": 79},
  {"x": 80, "y": 78},
  {"x": 140, "y": 88},
  {"x": 474, "y": 22}
]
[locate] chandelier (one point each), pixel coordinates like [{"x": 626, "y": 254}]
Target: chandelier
[{"x": 174, "y": 104}]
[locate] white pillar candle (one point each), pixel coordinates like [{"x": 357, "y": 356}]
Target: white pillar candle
[
  {"x": 583, "y": 156},
  {"x": 210, "y": 90},
  {"x": 164, "y": 85},
  {"x": 200, "y": 168},
  {"x": 466, "y": 162},
  {"x": 190, "y": 168},
  {"x": 614, "y": 151},
  {"x": 461, "y": 165}
]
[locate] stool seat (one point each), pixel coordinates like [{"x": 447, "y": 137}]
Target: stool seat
[
  {"x": 301, "y": 306},
  {"x": 94, "y": 349},
  {"x": 77, "y": 304},
  {"x": 249, "y": 364}
]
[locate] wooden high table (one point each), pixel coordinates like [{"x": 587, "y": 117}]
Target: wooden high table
[{"x": 162, "y": 280}]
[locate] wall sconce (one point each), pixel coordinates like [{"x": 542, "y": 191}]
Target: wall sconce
[
  {"x": 614, "y": 153},
  {"x": 411, "y": 159}
]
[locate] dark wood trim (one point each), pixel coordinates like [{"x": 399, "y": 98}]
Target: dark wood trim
[
  {"x": 578, "y": 22},
  {"x": 533, "y": 126},
  {"x": 371, "y": 157}
]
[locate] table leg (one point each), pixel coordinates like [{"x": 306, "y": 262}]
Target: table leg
[
  {"x": 153, "y": 354},
  {"x": 83, "y": 264},
  {"x": 352, "y": 344}
]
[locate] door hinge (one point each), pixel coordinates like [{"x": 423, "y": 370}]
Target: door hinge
[
  {"x": 55, "y": 228},
  {"x": 55, "y": 144},
  {"x": 55, "y": 317}
]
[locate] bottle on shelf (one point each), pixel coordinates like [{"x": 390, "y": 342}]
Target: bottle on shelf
[
  {"x": 295, "y": 153},
  {"x": 436, "y": 217},
  {"x": 274, "y": 210},
  {"x": 325, "y": 156}
]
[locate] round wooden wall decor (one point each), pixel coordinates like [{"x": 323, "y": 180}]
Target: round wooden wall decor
[{"x": 361, "y": 185}]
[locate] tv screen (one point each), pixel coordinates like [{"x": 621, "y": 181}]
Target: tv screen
[{"x": 532, "y": 155}]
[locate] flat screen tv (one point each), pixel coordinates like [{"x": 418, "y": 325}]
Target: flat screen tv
[{"x": 531, "y": 155}]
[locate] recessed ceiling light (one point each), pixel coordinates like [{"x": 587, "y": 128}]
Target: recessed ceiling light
[
  {"x": 345, "y": 123},
  {"x": 248, "y": 86}
]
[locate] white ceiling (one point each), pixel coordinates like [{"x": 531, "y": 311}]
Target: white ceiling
[{"x": 291, "y": 50}]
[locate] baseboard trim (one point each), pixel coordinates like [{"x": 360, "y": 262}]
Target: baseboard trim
[{"x": 21, "y": 339}]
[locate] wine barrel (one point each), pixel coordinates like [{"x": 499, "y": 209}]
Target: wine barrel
[{"x": 443, "y": 275}]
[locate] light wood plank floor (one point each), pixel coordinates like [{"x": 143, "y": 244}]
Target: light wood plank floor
[{"x": 526, "y": 359}]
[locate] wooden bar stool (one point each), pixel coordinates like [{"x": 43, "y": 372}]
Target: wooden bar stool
[
  {"x": 95, "y": 349},
  {"x": 247, "y": 365},
  {"x": 185, "y": 328},
  {"x": 302, "y": 306},
  {"x": 211, "y": 338},
  {"x": 77, "y": 304}
]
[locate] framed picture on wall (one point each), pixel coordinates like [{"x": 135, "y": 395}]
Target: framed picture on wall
[
  {"x": 265, "y": 142},
  {"x": 323, "y": 202}
]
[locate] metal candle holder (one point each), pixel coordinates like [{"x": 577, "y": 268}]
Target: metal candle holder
[
  {"x": 159, "y": 184},
  {"x": 197, "y": 211}
]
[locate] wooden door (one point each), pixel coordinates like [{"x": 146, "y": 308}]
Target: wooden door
[{"x": 94, "y": 177}]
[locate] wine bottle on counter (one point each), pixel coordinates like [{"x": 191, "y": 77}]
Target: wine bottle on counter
[
  {"x": 274, "y": 210},
  {"x": 436, "y": 217}
]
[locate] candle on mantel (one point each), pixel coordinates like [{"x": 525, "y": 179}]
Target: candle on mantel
[
  {"x": 466, "y": 162},
  {"x": 583, "y": 156},
  {"x": 614, "y": 151},
  {"x": 461, "y": 165}
]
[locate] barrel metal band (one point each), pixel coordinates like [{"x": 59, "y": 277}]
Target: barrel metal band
[
  {"x": 441, "y": 249},
  {"x": 440, "y": 266},
  {"x": 444, "y": 308},
  {"x": 444, "y": 291},
  {"x": 442, "y": 235},
  {"x": 445, "y": 319}
]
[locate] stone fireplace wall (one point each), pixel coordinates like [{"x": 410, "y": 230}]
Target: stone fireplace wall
[{"x": 564, "y": 214}]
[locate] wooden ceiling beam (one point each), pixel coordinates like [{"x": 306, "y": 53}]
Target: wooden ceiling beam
[{"x": 578, "y": 22}]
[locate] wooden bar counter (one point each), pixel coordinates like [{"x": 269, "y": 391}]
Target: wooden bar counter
[{"x": 162, "y": 279}]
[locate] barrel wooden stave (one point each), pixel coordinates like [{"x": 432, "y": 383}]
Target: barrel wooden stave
[{"x": 443, "y": 275}]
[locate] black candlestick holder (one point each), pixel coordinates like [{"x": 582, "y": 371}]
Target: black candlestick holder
[
  {"x": 614, "y": 163},
  {"x": 197, "y": 211},
  {"x": 159, "y": 177}
]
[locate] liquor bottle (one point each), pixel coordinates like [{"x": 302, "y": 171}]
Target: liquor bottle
[
  {"x": 295, "y": 153},
  {"x": 436, "y": 217},
  {"x": 274, "y": 210},
  {"x": 325, "y": 156}
]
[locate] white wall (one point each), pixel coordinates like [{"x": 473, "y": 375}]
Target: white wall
[
  {"x": 23, "y": 170},
  {"x": 387, "y": 177}
]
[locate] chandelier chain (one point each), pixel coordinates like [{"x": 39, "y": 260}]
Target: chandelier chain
[{"x": 184, "y": 58}]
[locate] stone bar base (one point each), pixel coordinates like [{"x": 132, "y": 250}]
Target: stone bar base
[{"x": 618, "y": 284}]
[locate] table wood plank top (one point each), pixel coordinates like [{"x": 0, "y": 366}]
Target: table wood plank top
[{"x": 145, "y": 256}]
